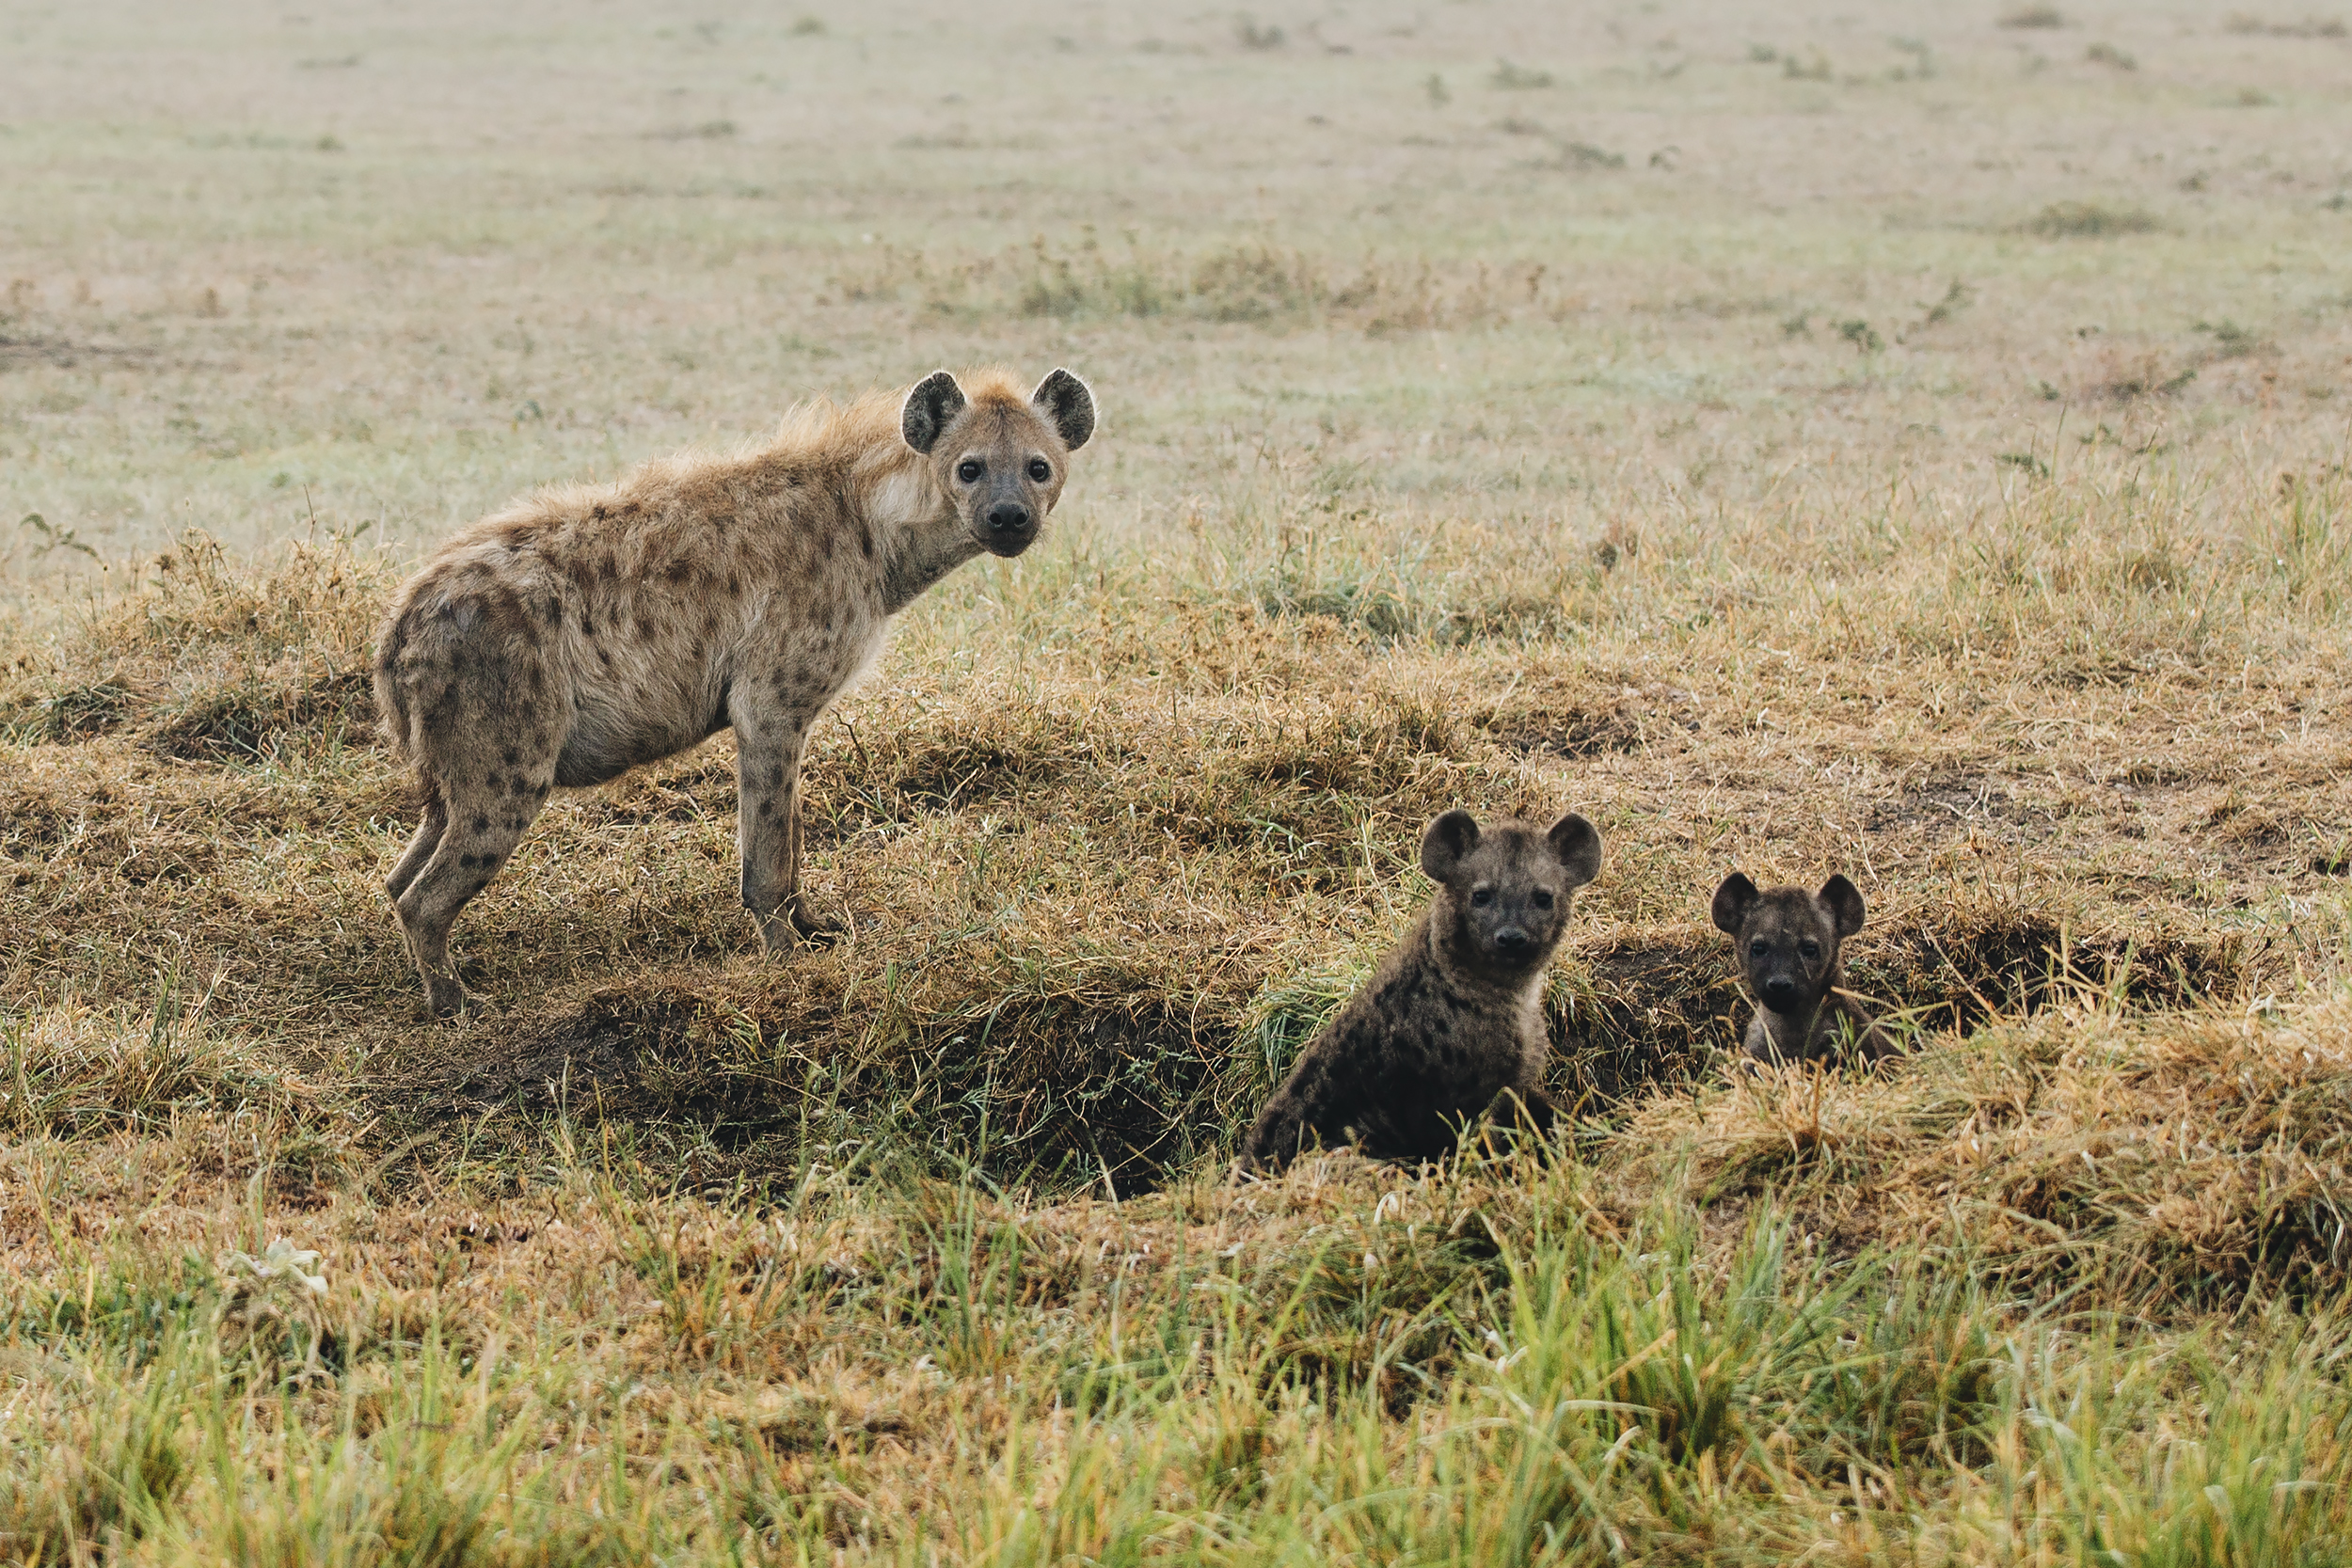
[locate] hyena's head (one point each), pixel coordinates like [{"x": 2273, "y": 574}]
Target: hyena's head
[
  {"x": 1000, "y": 458},
  {"x": 1788, "y": 936},
  {"x": 1504, "y": 889}
]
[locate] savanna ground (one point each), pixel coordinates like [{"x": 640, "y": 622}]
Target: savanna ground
[{"x": 1910, "y": 441}]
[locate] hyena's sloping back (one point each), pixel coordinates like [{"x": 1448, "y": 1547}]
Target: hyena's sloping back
[
  {"x": 589, "y": 629},
  {"x": 622, "y": 594}
]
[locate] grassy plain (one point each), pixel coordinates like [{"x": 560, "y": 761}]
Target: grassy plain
[{"x": 1905, "y": 443}]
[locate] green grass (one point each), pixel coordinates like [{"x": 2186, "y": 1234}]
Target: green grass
[{"x": 1478, "y": 1369}]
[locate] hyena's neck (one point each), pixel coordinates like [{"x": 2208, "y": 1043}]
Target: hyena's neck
[
  {"x": 917, "y": 537},
  {"x": 1794, "y": 1030},
  {"x": 1790, "y": 1032}
]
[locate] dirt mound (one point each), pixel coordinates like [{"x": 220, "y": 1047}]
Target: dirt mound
[
  {"x": 211, "y": 660},
  {"x": 1652, "y": 1008},
  {"x": 1075, "y": 1072},
  {"x": 1964, "y": 966},
  {"x": 1663, "y": 1007},
  {"x": 253, "y": 720},
  {"x": 2155, "y": 1160},
  {"x": 1074, "y": 1086}
]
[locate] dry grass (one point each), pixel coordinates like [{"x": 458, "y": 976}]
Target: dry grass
[
  {"x": 1886, "y": 448},
  {"x": 2148, "y": 1167},
  {"x": 2304, "y": 27}
]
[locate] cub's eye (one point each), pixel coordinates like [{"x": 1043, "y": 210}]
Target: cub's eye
[
  {"x": 1481, "y": 897},
  {"x": 1810, "y": 949},
  {"x": 1040, "y": 469},
  {"x": 1541, "y": 899},
  {"x": 969, "y": 469},
  {"x": 1757, "y": 948}
]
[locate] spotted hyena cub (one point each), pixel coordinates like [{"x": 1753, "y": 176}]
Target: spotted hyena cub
[
  {"x": 584, "y": 631},
  {"x": 1788, "y": 939},
  {"x": 1450, "y": 1025}
]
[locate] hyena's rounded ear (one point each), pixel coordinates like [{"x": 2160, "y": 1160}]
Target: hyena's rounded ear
[
  {"x": 930, "y": 409},
  {"x": 1445, "y": 842},
  {"x": 1576, "y": 843},
  {"x": 1845, "y": 905},
  {"x": 1067, "y": 404},
  {"x": 1734, "y": 895}
]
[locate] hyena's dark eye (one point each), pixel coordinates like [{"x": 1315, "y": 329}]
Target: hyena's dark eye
[
  {"x": 1810, "y": 949},
  {"x": 1040, "y": 469},
  {"x": 1481, "y": 897},
  {"x": 1542, "y": 900},
  {"x": 1757, "y": 948},
  {"x": 969, "y": 469}
]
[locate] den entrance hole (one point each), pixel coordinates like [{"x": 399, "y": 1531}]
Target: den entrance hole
[{"x": 1067, "y": 1093}]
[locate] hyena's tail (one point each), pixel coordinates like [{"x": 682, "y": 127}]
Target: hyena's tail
[{"x": 392, "y": 703}]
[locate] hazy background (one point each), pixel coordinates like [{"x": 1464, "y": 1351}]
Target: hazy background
[{"x": 388, "y": 264}]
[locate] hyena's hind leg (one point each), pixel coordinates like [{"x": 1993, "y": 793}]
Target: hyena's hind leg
[
  {"x": 421, "y": 846},
  {"x": 1300, "y": 1118},
  {"x": 483, "y": 821}
]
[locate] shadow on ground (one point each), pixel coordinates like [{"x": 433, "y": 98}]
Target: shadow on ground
[{"x": 1111, "y": 1079}]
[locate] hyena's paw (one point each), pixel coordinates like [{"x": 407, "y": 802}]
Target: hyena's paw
[
  {"x": 811, "y": 924},
  {"x": 797, "y": 923},
  {"x": 447, "y": 999}
]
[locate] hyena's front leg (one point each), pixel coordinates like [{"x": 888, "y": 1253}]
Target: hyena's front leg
[
  {"x": 1524, "y": 1108},
  {"x": 768, "y": 828}
]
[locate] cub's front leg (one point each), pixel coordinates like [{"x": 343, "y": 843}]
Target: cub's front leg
[
  {"x": 1307, "y": 1112},
  {"x": 1524, "y": 1110}
]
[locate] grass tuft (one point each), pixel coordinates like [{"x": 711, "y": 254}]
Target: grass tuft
[{"x": 2089, "y": 220}]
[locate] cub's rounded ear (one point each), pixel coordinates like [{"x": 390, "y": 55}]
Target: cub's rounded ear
[
  {"x": 1734, "y": 895},
  {"x": 1067, "y": 404},
  {"x": 1576, "y": 844},
  {"x": 1845, "y": 905},
  {"x": 1445, "y": 842},
  {"x": 930, "y": 409}
]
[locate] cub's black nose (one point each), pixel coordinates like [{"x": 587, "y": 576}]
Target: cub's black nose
[
  {"x": 1510, "y": 940},
  {"x": 1779, "y": 993},
  {"x": 1008, "y": 516}
]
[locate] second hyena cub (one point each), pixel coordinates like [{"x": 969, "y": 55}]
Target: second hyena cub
[
  {"x": 1452, "y": 1022},
  {"x": 1789, "y": 941}
]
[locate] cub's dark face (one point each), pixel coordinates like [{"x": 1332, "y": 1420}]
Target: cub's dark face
[
  {"x": 1503, "y": 890},
  {"x": 1788, "y": 938},
  {"x": 1000, "y": 461}
]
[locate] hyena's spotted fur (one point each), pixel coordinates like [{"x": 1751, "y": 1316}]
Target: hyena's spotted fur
[{"x": 585, "y": 631}]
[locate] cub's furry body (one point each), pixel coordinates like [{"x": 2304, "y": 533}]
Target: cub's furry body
[{"x": 1451, "y": 1026}]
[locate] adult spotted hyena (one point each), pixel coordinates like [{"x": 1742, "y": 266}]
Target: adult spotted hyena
[{"x": 586, "y": 630}]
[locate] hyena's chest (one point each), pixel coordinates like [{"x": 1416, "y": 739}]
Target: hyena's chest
[{"x": 1466, "y": 1053}]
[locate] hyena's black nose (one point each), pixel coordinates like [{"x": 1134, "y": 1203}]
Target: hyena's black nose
[
  {"x": 1008, "y": 516},
  {"x": 1510, "y": 940},
  {"x": 1779, "y": 992}
]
